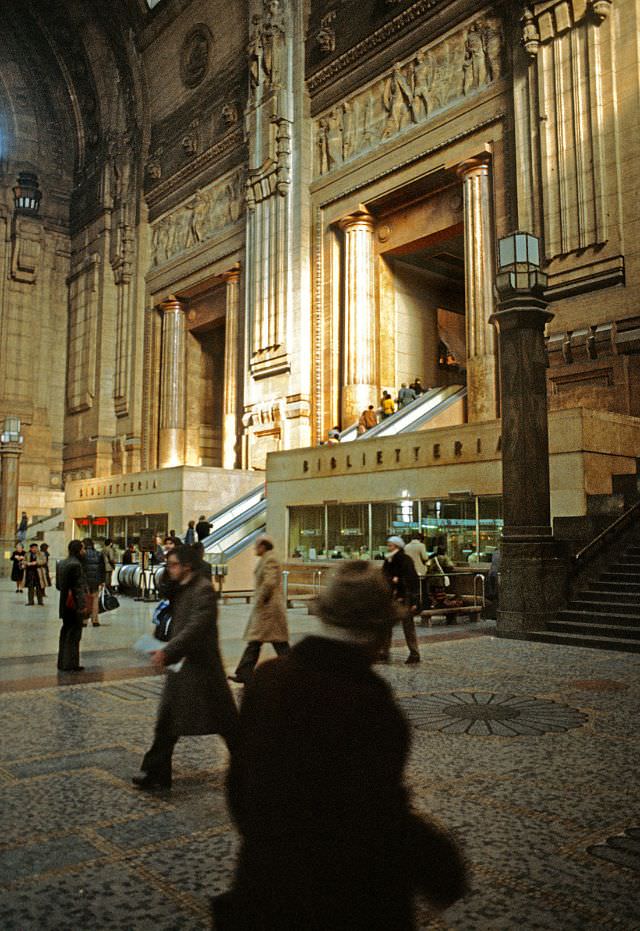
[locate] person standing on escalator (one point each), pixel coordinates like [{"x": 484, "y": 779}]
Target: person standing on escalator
[{"x": 203, "y": 528}]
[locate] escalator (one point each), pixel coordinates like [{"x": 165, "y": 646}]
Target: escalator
[
  {"x": 236, "y": 526},
  {"x": 239, "y": 524},
  {"x": 412, "y": 417}
]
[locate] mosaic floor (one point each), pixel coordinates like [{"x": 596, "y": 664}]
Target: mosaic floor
[{"x": 527, "y": 751}]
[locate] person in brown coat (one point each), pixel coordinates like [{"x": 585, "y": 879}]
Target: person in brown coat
[
  {"x": 196, "y": 699},
  {"x": 315, "y": 785},
  {"x": 268, "y": 620}
]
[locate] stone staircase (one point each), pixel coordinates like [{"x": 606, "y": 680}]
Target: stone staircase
[{"x": 604, "y": 612}]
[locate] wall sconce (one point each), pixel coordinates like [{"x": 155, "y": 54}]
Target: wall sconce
[{"x": 27, "y": 194}]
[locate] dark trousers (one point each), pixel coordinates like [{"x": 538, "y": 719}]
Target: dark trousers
[
  {"x": 35, "y": 589},
  {"x": 157, "y": 760},
  {"x": 251, "y": 655},
  {"x": 410, "y": 636},
  {"x": 69, "y": 645}
]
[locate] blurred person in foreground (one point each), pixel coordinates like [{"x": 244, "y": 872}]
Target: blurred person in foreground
[
  {"x": 196, "y": 699},
  {"x": 315, "y": 785}
]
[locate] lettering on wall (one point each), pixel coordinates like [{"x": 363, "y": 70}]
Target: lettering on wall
[{"x": 425, "y": 455}]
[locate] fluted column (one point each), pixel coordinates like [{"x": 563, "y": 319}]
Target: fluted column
[
  {"x": 482, "y": 397},
  {"x": 172, "y": 424},
  {"x": 360, "y": 326},
  {"x": 9, "y": 485},
  {"x": 231, "y": 348}
]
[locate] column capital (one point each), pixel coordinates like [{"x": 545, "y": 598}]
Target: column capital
[
  {"x": 477, "y": 165},
  {"x": 172, "y": 305},
  {"x": 232, "y": 276},
  {"x": 359, "y": 219}
]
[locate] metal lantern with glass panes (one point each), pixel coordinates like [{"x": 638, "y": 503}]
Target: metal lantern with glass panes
[
  {"x": 27, "y": 194},
  {"x": 11, "y": 431},
  {"x": 519, "y": 265}
]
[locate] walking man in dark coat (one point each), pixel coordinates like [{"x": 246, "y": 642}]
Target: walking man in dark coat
[
  {"x": 401, "y": 575},
  {"x": 95, "y": 575},
  {"x": 315, "y": 785},
  {"x": 197, "y": 698},
  {"x": 71, "y": 584}
]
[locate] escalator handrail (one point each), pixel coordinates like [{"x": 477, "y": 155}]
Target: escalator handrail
[
  {"x": 237, "y": 502},
  {"x": 417, "y": 402},
  {"x": 234, "y": 524},
  {"x": 441, "y": 405}
]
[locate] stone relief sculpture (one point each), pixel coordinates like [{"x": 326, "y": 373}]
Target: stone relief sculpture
[
  {"x": 326, "y": 35},
  {"x": 435, "y": 78},
  {"x": 202, "y": 217},
  {"x": 195, "y": 55}
]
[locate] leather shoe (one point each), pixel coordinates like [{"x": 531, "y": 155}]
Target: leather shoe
[
  {"x": 150, "y": 783},
  {"x": 412, "y": 658}
]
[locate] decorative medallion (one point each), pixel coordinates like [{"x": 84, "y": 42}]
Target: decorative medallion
[
  {"x": 622, "y": 849},
  {"x": 486, "y": 714},
  {"x": 195, "y": 55}
]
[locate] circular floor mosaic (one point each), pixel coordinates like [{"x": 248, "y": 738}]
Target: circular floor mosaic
[{"x": 486, "y": 714}]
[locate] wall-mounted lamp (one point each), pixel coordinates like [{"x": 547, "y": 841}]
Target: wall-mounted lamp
[{"x": 27, "y": 194}]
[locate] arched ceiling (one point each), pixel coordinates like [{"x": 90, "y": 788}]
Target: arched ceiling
[{"x": 71, "y": 92}]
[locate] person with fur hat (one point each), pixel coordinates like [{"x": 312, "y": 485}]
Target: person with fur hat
[
  {"x": 400, "y": 573},
  {"x": 268, "y": 620},
  {"x": 315, "y": 784}
]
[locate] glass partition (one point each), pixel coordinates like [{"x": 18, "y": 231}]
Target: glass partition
[
  {"x": 306, "y": 533},
  {"x": 348, "y": 531},
  {"x": 469, "y": 529}
]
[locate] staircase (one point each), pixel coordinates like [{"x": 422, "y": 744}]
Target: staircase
[{"x": 605, "y": 613}]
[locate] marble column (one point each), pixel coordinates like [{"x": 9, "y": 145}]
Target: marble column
[
  {"x": 482, "y": 400},
  {"x": 359, "y": 384},
  {"x": 172, "y": 421},
  {"x": 231, "y": 350},
  {"x": 9, "y": 484},
  {"x": 534, "y": 567}
]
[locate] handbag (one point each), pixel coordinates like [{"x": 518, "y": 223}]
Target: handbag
[
  {"x": 107, "y": 601},
  {"x": 162, "y": 619},
  {"x": 70, "y": 601},
  {"x": 446, "y": 581}
]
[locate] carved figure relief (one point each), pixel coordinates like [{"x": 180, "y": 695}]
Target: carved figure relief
[
  {"x": 195, "y": 55},
  {"x": 436, "y": 77},
  {"x": 191, "y": 141},
  {"x": 202, "y": 217},
  {"x": 326, "y": 35},
  {"x": 229, "y": 114}
]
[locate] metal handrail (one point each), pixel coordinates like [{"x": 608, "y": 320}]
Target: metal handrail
[{"x": 623, "y": 518}]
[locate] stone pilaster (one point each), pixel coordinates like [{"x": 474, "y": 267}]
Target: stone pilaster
[
  {"x": 230, "y": 419},
  {"x": 171, "y": 440},
  {"x": 9, "y": 485},
  {"x": 482, "y": 401},
  {"x": 359, "y": 386},
  {"x": 534, "y": 568}
]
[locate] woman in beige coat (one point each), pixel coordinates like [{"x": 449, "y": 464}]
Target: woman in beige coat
[{"x": 268, "y": 620}]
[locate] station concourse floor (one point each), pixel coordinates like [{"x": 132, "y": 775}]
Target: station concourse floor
[{"x": 527, "y": 752}]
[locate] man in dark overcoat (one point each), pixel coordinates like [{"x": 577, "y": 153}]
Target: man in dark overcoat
[
  {"x": 72, "y": 585},
  {"x": 400, "y": 573},
  {"x": 315, "y": 785},
  {"x": 196, "y": 699}
]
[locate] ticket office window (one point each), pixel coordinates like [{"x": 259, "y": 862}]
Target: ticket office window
[
  {"x": 395, "y": 518},
  {"x": 307, "y": 533},
  {"x": 121, "y": 530},
  {"x": 348, "y": 531}
]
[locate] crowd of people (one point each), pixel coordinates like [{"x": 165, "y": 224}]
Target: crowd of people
[
  {"x": 317, "y": 753},
  {"x": 317, "y": 746}
]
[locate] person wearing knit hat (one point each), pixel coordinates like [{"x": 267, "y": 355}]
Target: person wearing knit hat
[
  {"x": 316, "y": 789},
  {"x": 400, "y": 573},
  {"x": 268, "y": 620}
]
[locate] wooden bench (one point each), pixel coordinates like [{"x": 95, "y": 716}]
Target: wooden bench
[
  {"x": 304, "y": 601},
  {"x": 451, "y": 613},
  {"x": 236, "y": 596}
]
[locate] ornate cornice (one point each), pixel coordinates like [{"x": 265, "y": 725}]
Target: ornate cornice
[
  {"x": 377, "y": 39},
  {"x": 195, "y": 166}
]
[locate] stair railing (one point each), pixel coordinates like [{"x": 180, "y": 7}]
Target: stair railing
[{"x": 587, "y": 552}]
